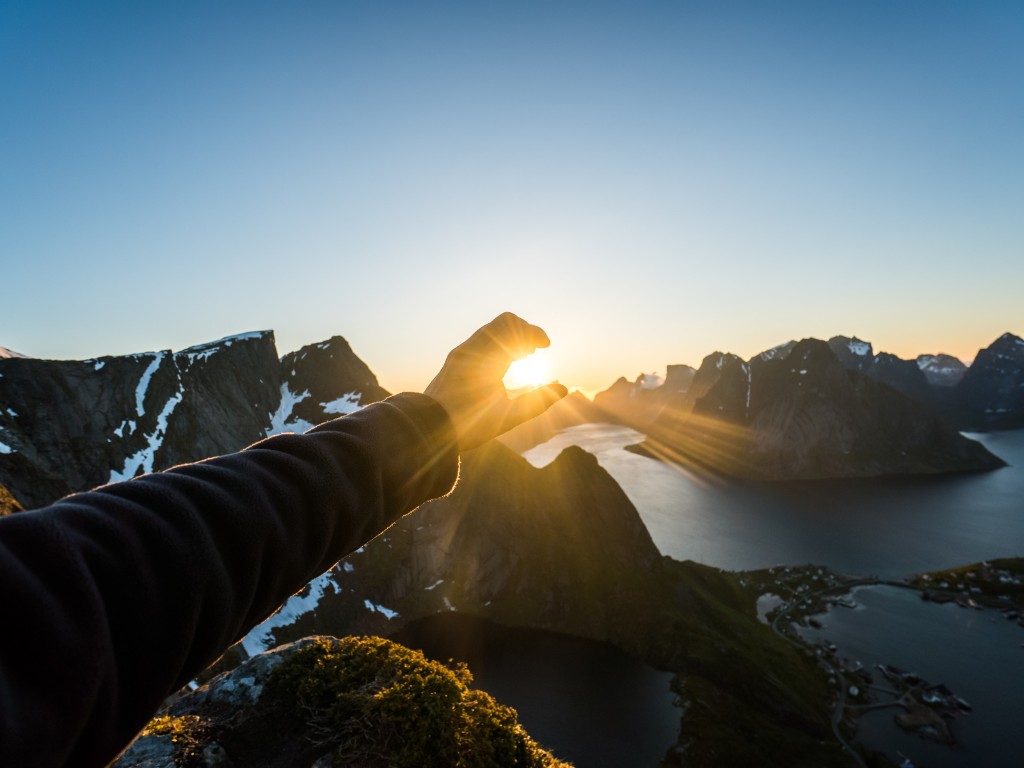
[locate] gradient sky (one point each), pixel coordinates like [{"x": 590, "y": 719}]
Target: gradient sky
[{"x": 649, "y": 181}]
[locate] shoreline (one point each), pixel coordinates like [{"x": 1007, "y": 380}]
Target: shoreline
[{"x": 799, "y": 594}]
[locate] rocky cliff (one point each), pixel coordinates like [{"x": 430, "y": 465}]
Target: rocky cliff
[{"x": 68, "y": 425}]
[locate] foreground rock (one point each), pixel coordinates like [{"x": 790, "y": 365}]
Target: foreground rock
[{"x": 326, "y": 701}]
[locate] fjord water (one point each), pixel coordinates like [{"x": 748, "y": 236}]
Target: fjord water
[
  {"x": 890, "y": 528},
  {"x": 586, "y": 701},
  {"x": 977, "y": 654}
]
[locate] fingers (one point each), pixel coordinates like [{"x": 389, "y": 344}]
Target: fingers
[
  {"x": 525, "y": 407},
  {"x": 506, "y": 338}
]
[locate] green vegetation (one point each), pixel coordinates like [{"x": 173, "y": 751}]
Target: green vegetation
[
  {"x": 188, "y": 734},
  {"x": 376, "y": 703}
]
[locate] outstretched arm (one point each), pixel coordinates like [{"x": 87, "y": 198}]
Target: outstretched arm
[{"x": 114, "y": 598}]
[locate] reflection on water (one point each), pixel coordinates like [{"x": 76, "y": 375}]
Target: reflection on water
[
  {"x": 886, "y": 527},
  {"x": 977, "y": 654},
  {"x": 586, "y": 701}
]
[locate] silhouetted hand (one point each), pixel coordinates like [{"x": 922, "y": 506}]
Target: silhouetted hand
[{"x": 469, "y": 384}]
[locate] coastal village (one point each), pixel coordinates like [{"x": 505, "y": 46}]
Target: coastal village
[{"x": 790, "y": 600}]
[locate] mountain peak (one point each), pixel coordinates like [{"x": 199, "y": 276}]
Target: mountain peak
[{"x": 1009, "y": 338}]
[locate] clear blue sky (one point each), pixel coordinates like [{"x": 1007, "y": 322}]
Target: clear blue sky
[{"x": 649, "y": 181}]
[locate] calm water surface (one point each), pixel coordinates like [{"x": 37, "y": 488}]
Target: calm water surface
[
  {"x": 588, "y": 702},
  {"x": 978, "y": 654},
  {"x": 887, "y": 527}
]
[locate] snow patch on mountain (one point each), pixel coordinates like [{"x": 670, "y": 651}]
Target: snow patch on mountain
[
  {"x": 143, "y": 458},
  {"x": 140, "y": 390},
  {"x": 6, "y": 353},
  {"x": 281, "y": 420},
  {"x": 259, "y": 637},
  {"x": 347, "y": 403},
  {"x": 376, "y": 608},
  {"x": 858, "y": 347}
]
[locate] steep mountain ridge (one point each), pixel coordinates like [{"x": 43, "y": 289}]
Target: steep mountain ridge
[{"x": 68, "y": 425}]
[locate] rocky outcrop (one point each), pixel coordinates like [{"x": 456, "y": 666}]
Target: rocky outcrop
[
  {"x": 68, "y": 425},
  {"x": 991, "y": 393},
  {"x": 809, "y": 415},
  {"x": 325, "y": 701}
]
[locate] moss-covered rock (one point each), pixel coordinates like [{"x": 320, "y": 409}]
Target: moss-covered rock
[{"x": 355, "y": 701}]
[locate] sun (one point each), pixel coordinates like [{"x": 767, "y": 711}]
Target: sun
[{"x": 529, "y": 373}]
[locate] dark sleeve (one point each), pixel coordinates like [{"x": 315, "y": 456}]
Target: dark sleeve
[{"x": 112, "y": 599}]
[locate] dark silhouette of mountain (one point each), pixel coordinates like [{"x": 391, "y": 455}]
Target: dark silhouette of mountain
[
  {"x": 991, "y": 393},
  {"x": 808, "y": 415},
  {"x": 69, "y": 425}
]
